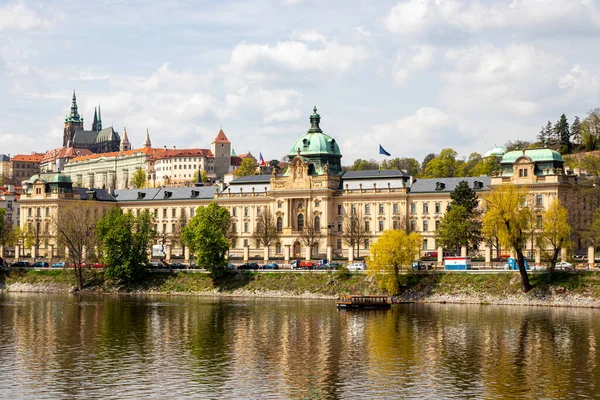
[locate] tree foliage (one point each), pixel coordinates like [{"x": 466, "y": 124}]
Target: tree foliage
[
  {"x": 461, "y": 224},
  {"x": 391, "y": 253},
  {"x": 206, "y": 237},
  {"x": 125, "y": 243},
  {"x": 6, "y": 229},
  {"x": 75, "y": 227},
  {"x": 266, "y": 233},
  {"x": 508, "y": 218},
  {"x": 138, "y": 179},
  {"x": 409, "y": 165},
  {"x": 590, "y": 130},
  {"x": 247, "y": 167},
  {"x": 555, "y": 233},
  {"x": 363, "y": 165},
  {"x": 445, "y": 165}
]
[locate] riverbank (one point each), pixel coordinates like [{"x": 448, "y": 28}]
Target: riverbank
[{"x": 580, "y": 289}]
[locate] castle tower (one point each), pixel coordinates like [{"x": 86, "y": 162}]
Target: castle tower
[
  {"x": 147, "y": 143},
  {"x": 73, "y": 122},
  {"x": 125, "y": 145},
  {"x": 221, "y": 149},
  {"x": 99, "y": 123}
]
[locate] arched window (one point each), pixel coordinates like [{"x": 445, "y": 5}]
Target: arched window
[
  {"x": 318, "y": 223},
  {"x": 279, "y": 224},
  {"x": 300, "y": 222},
  {"x": 278, "y": 248}
]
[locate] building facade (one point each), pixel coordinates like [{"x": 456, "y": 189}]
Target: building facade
[
  {"x": 24, "y": 166},
  {"x": 313, "y": 200}
]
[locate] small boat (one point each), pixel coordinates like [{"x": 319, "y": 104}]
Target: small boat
[{"x": 359, "y": 302}]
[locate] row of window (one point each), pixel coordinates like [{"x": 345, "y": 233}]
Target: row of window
[
  {"x": 437, "y": 208},
  {"x": 367, "y": 210}
]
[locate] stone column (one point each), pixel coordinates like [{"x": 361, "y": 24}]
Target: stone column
[
  {"x": 538, "y": 256},
  {"x": 591, "y": 255},
  {"x": 286, "y": 253},
  {"x": 440, "y": 260},
  {"x": 17, "y": 252},
  {"x": 329, "y": 253},
  {"x": 50, "y": 251},
  {"x": 83, "y": 253},
  {"x": 350, "y": 254},
  {"x": 168, "y": 253},
  {"x": 488, "y": 255},
  {"x": 66, "y": 252},
  {"x": 463, "y": 251},
  {"x": 34, "y": 252},
  {"x": 512, "y": 253},
  {"x": 563, "y": 254},
  {"x": 266, "y": 254},
  {"x": 246, "y": 253},
  {"x": 307, "y": 251},
  {"x": 186, "y": 255},
  {"x": 2, "y": 251}
]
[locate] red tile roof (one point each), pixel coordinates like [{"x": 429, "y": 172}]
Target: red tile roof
[
  {"x": 221, "y": 138},
  {"x": 145, "y": 150},
  {"x": 170, "y": 153},
  {"x": 65, "y": 152},
  {"x": 33, "y": 157}
]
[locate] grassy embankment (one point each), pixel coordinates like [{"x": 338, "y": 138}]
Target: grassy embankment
[{"x": 416, "y": 286}]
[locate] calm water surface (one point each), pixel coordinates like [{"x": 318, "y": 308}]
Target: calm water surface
[{"x": 68, "y": 346}]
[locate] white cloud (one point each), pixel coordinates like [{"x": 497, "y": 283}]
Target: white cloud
[
  {"x": 361, "y": 30},
  {"x": 411, "y": 60},
  {"x": 437, "y": 17},
  {"x": 309, "y": 36},
  {"x": 275, "y": 105},
  {"x": 488, "y": 79},
  {"x": 17, "y": 16},
  {"x": 316, "y": 60},
  {"x": 579, "y": 79}
]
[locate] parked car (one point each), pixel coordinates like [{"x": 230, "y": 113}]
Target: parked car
[
  {"x": 60, "y": 264},
  {"x": 306, "y": 265},
  {"x": 230, "y": 266},
  {"x": 40, "y": 264},
  {"x": 155, "y": 264},
  {"x": 356, "y": 267},
  {"x": 20, "y": 264},
  {"x": 270, "y": 266},
  {"x": 563, "y": 265},
  {"x": 178, "y": 265},
  {"x": 249, "y": 265},
  {"x": 97, "y": 265}
]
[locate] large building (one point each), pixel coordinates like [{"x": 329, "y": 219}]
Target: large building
[
  {"x": 313, "y": 200},
  {"x": 97, "y": 140},
  {"x": 25, "y": 166}
]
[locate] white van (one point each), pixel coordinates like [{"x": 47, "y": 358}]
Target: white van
[{"x": 357, "y": 266}]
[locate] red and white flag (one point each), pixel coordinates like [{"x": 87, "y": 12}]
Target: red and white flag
[{"x": 261, "y": 160}]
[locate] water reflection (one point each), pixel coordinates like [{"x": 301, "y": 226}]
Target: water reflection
[{"x": 66, "y": 346}]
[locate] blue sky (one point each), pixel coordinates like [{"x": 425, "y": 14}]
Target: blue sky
[{"x": 415, "y": 75}]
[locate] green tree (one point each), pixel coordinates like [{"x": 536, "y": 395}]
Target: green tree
[
  {"x": 363, "y": 165},
  {"x": 394, "y": 251},
  {"x": 508, "y": 218},
  {"x": 473, "y": 162},
  {"x": 75, "y": 227},
  {"x": 408, "y": 165},
  {"x": 426, "y": 161},
  {"x": 564, "y": 135},
  {"x": 590, "y": 164},
  {"x": 138, "y": 179},
  {"x": 461, "y": 224},
  {"x": 590, "y": 130},
  {"x": 550, "y": 133},
  {"x": 6, "y": 230},
  {"x": 555, "y": 233},
  {"x": 444, "y": 165},
  {"x": 206, "y": 237},
  {"x": 486, "y": 167},
  {"x": 311, "y": 235},
  {"x": 247, "y": 167},
  {"x": 125, "y": 243}
]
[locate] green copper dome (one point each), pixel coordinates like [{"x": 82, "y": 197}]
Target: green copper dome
[
  {"x": 52, "y": 177},
  {"x": 536, "y": 155},
  {"x": 319, "y": 148}
]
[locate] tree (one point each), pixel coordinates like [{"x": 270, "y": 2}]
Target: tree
[
  {"x": 555, "y": 233},
  {"x": 203, "y": 176},
  {"x": 35, "y": 234},
  {"x": 138, "y": 179},
  {"x": 274, "y": 163},
  {"x": 311, "y": 234},
  {"x": 266, "y": 232},
  {"x": 125, "y": 243},
  {"x": 590, "y": 130},
  {"x": 75, "y": 227},
  {"x": 176, "y": 235},
  {"x": 205, "y": 235},
  {"x": 474, "y": 160},
  {"x": 6, "y": 230},
  {"x": 354, "y": 231},
  {"x": 486, "y": 167},
  {"x": 563, "y": 134},
  {"x": 461, "y": 224},
  {"x": 508, "y": 218},
  {"x": 443, "y": 166},
  {"x": 408, "y": 165},
  {"x": 590, "y": 164},
  {"x": 576, "y": 132},
  {"x": 364, "y": 165},
  {"x": 426, "y": 161},
  {"x": 392, "y": 252},
  {"x": 550, "y": 134},
  {"x": 247, "y": 167}
]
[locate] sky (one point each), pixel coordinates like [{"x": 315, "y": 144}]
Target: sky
[{"x": 415, "y": 76}]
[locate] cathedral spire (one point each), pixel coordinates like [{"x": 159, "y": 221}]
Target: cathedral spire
[
  {"x": 99, "y": 125},
  {"x": 95, "y": 122},
  {"x": 147, "y": 143},
  {"x": 125, "y": 145},
  {"x": 74, "y": 115}
]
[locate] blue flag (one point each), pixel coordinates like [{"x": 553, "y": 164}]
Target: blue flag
[{"x": 382, "y": 151}]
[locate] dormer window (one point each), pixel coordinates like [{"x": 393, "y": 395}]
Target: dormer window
[
  {"x": 305, "y": 142},
  {"x": 522, "y": 173}
]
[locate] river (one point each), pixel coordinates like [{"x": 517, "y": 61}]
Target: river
[{"x": 125, "y": 346}]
